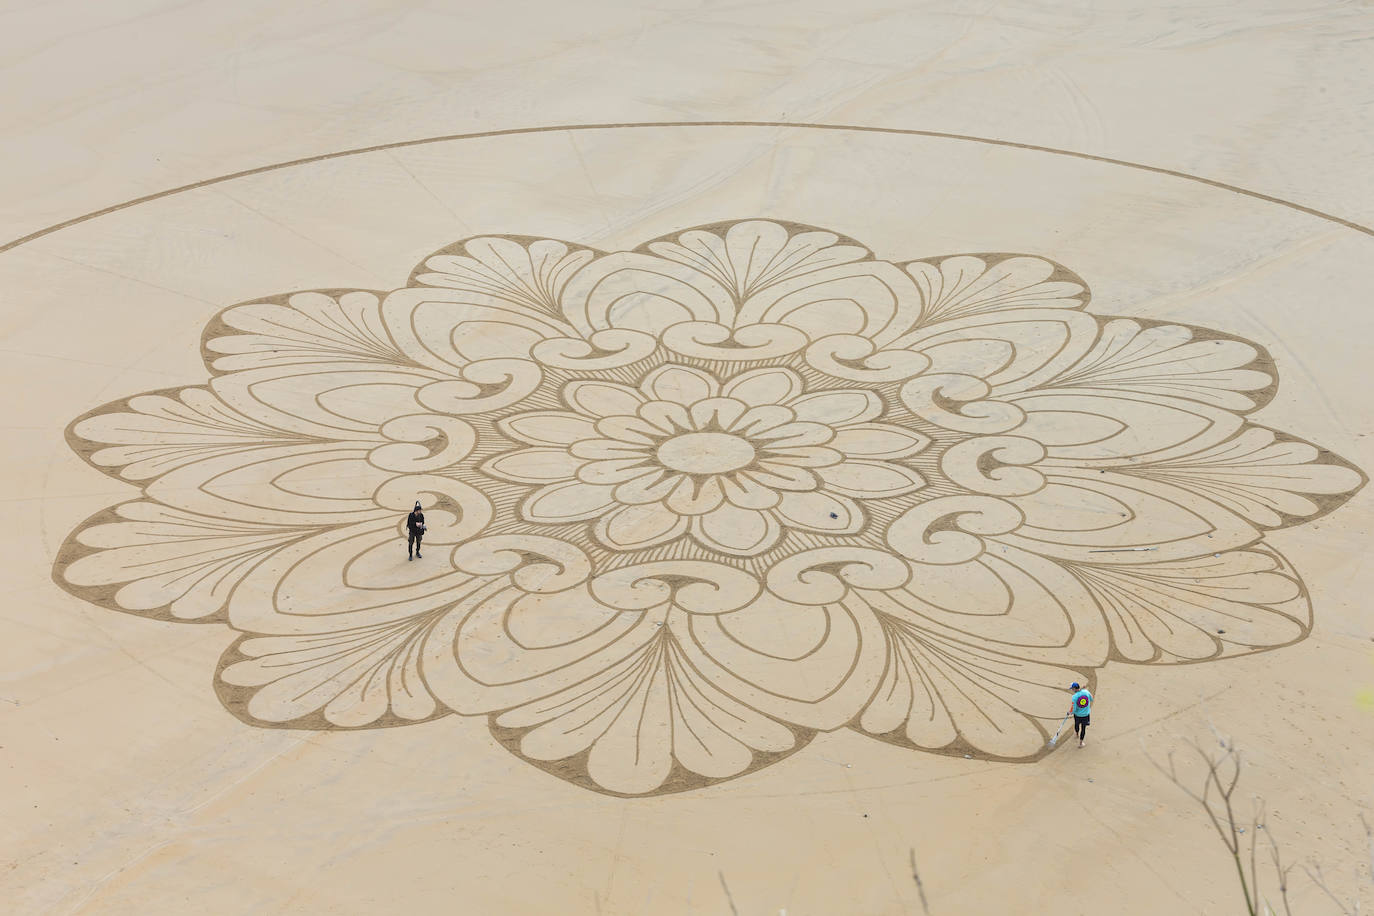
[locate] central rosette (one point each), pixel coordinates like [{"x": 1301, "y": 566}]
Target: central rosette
[
  {"x": 706, "y": 453},
  {"x": 734, "y": 463}
]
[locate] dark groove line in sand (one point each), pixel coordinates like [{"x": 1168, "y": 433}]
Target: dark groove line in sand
[{"x": 516, "y": 131}]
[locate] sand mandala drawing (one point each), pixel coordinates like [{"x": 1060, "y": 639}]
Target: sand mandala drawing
[{"x": 693, "y": 503}]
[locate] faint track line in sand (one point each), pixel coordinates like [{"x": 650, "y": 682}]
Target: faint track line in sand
[
  {"x": 1169, "y": 715},
  {"x": 1163, "y": 880}
]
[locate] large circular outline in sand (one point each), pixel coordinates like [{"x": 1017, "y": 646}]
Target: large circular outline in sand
[
  {"x": 515, "y": 131},
  {"x": 562, "y": 539}
]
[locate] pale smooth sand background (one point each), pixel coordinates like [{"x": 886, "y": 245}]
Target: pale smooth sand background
[{"x": 129, "y": 789}]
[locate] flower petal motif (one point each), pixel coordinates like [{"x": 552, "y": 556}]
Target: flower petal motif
[
  {"x": 821, "y": 511},
  {"x": 679, "y": 385},
  {"x": 303, "y": 328},
  {"x": 940, "y": 694},
  {"x": 735, "y": 530},
  {"x": 548, "y": 427},
  {"x": 968, "y": 284},
  {"x": 1208, "y": 607},
  {"x": 688, "y": 505},
  {"x": 764, "y": 386},
  {"x": 643, "y": 720},
  {"x": 649, "y": 487},
  {"x": 837, "y": 408},
  {"x": 870, "y": 479},
  {"x": 163, "y": 562},
  {"x": 367, "y": 676},
  {"x": 693, "y": 497},
  {"x": 615, "y": 470},
  {"x": 523, "y": 272},
  {"x": 637, "y": 526},
  {"x": 598, "y": 399},
  {"x": 878, "y": 440},
  {"x": 752, "y": 255},
  {"x": 1259, "y": 475},
  {"x": 570, "y": 501},
  {"x": 535, "y": 465}
]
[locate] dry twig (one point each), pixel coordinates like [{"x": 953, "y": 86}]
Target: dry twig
[{"x": 1215, "y": 797}]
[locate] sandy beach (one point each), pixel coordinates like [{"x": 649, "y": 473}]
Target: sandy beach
[{"x": 798, "y": 399}]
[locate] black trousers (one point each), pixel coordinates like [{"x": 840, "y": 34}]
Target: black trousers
[
  {"x": 1080, "y": 726},
  {"x": 414, "y": 544}
]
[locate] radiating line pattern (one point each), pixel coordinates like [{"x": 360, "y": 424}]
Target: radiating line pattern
[{"x": 690, "y": 504}]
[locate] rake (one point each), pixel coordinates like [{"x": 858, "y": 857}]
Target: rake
[{"x": 1055, "y": 737}]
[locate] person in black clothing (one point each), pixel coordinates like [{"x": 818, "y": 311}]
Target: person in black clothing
[{"x": 415, "y": 524}]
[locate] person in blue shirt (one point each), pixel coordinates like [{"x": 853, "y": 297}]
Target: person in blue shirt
[{"x": 1082, "y": 701}]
